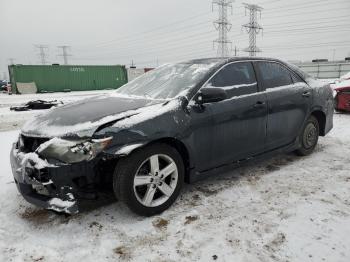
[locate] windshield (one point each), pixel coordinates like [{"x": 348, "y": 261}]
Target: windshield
[{"x": 167, "y": 81}]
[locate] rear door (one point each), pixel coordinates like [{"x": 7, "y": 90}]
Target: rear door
[
  {"x": 288, "y": 99},
  {"x": 239, "y": 123}
]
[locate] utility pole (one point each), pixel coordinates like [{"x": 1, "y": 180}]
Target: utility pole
[
  {"x": 253, "y": 28},
  {"x": 236, "y": 50},
  {"x": 223, "y": 26},
  {"x": 42, "y": 55},
  {"x": 65, "y": 54}
]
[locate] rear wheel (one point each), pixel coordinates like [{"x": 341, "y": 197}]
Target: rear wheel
[
  {"x": 149, "y": 180},
  {"x": 308, "y": 137}
]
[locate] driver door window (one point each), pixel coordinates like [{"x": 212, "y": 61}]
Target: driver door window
[{"x": 237, "y": 79}]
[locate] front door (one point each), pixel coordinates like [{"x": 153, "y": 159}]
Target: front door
[{"x": 239, "y": 122}]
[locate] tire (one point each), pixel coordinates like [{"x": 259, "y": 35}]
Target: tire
[
  {"x": 134, "y": 170},
  {"x": 309, "y": 137}
]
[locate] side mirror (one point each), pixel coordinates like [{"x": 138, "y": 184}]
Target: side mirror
[{"x": 210, "y": 95}]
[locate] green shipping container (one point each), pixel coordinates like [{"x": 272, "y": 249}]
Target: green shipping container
[{"x": 62, "y": 78}]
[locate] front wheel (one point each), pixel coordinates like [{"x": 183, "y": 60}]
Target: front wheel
[
  {"x": 149, "y": 180},
  {"x": 308, "y": 137}
]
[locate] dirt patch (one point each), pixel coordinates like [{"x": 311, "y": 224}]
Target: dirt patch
[
  {"x": 37, "y": 259},
  {"x": 207, "y": 191},
  {"x": 283, "y": 160},
  {"x": 275, "y": 244},
  {"x": 253, "y": 179},
  {"x": 272, "y": 168},
  {"x": 197, "y": 197},
  {"x": 37, "y": 216},
  {"x": 123, "y": 252},
  {"x": 190, "y": 219},
  {"x": 160, "y": 223},
  {"x": 95, "y": 224}
]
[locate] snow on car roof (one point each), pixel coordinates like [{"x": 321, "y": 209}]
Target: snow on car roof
[
  {"x": 345, "y": 83},
  {"x": 346, "y": 76}
]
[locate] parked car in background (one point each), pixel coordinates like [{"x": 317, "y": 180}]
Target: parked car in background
[
  {"x": 346, "y": 76},
  {"x": 3, "y": 85},
  {"x": 342, "y": 97},
  {"x": 178, "y": 123}
]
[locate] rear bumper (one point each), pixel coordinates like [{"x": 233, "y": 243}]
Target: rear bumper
[{"x": 52, "y": 187}]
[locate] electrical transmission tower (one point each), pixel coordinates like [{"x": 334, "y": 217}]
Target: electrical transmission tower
[
  {"x": 253, "y": 28},
  {"x": 223, "y": 26},
  {"x": 65, "y": 54},
  {"x": 42, "y": 53}
]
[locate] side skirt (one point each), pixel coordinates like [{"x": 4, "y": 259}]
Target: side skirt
[{"x": 195, "y": 176}]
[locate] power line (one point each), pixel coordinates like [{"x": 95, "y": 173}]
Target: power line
[
  {"x": 202, "y": 36},
  {"x": 164, "y": 45},
  {"x": 253, "y": 28},
  {"x": 161, "y": 40},
  {"x": 306, "y": 28},
  {"x": 64, "y": 54},
  {"x": 308, "y": 4},
  {"x": 178, "y": 38},
  {"x": 140, "y": 38},
  {"x": 42, "y": 55},
  {"x": 299, "y": 13},
  {"x": 166, "y": 49},
  {"x": 138, "y": 34},
  {"x": 223, "y": 26},
  {"x": 309, "y": 22},
  {"x": 157, "y": 36}
]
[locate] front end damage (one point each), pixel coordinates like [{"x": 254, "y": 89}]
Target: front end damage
[{"x": 55, "y": 173}]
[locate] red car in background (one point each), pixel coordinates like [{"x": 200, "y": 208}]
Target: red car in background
[{"x": 342, "y": 97}]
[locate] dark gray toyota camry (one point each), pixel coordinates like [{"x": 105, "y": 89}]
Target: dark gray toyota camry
[{"x": 178, "y": 123}]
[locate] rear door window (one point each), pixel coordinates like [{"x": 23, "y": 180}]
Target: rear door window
[
  {"x": 274, "y": 75},
  {"x": 236, "y": 78},
  {"x": 297, "y": 79}
]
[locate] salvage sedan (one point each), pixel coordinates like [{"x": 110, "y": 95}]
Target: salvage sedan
[{"x": 178, "y": 123}]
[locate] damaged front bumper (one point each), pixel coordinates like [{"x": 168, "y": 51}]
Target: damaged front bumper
[{"x": 54, "y": 187}]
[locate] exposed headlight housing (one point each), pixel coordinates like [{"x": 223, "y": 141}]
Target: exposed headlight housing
[{"x": 69, "y": 151}]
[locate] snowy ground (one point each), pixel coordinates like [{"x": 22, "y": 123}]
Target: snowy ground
[
  {"x": 283, "y": 209},
  {"x": 10, "y": 120}
]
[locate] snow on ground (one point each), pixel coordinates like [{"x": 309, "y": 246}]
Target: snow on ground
[
  {"x": 10, "y": 120},
  {"x": 287, "y": 208}
]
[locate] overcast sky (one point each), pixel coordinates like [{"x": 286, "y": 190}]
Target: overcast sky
[{"x": 157, "y": 31}]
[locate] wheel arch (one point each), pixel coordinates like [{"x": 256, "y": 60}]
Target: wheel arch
[
  {"x": 181, "y": 148},
  {"x": 321, "y": 118}
]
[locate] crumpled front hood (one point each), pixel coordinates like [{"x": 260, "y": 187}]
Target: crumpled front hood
[{"x": 84, "y": 117}]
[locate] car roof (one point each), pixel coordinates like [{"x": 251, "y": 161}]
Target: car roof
[{"x": 220, "y": 60}]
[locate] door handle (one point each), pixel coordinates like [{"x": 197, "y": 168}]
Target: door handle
[
  {"x": 259, "y": 104},
  {"x": 306, "y": 94}
]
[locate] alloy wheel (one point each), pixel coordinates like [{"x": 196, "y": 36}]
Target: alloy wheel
[{"x": 155, "y": 180}]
